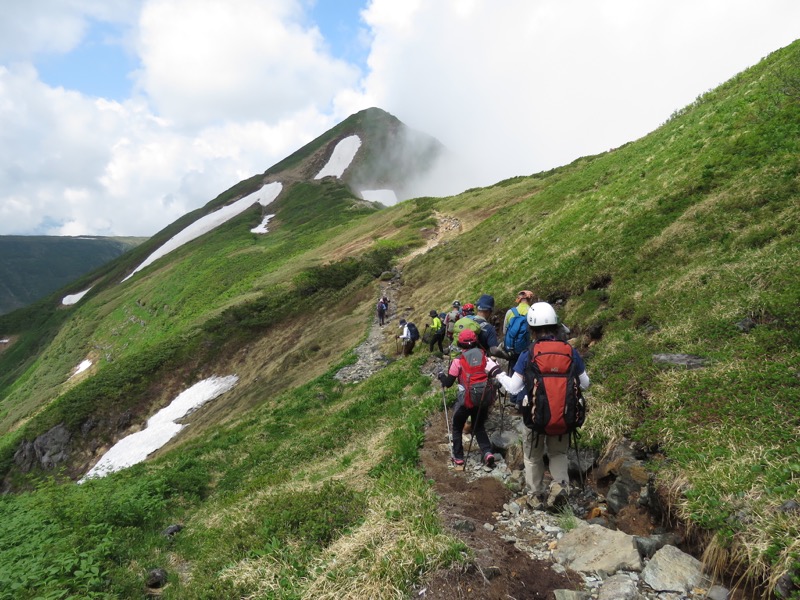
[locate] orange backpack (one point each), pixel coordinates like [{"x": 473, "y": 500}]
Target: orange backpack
[{"x": 555, "y": 404}]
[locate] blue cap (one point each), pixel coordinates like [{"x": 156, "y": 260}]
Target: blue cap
[{"x": 485, "y": 302}]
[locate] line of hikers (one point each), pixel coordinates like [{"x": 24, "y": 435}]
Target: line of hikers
[{"x": 544, "y": 381}]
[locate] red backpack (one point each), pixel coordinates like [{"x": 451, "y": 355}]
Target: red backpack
[
  {"x": 478, "y": 390},
  {"x": 555, "y": 404}
]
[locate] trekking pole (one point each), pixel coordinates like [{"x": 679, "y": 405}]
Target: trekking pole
[
  {"x": 505, "y": 397},
  {"x": 575, "y": 435},
  {"x": 447, "y": 421}
]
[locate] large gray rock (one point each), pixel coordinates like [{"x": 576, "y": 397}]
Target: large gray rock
[
  {"x": 592, "y": 548},
  {"x": 619, "y": 587},
  {"x": 672, "y": 570},
  {"x": 51, "y": 447},
  {"x": 619, "y": 494},
  {"x": 48, "y": 450}
]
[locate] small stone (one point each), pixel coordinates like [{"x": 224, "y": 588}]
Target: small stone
[
  {"x": 156, "y": 578},
  {"x": 464, "y": 525}
]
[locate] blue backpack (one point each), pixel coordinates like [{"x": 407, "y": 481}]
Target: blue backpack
[{"x": 517, "y": 338}]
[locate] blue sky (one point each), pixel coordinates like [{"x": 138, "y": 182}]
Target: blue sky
[
  {"x": 99, "y": 66},
  {"x": 118, "y": 117}
]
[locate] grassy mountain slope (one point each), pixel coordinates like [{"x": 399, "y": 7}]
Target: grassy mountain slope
[
  {"x": 33, "y": 266},
  {"x": 294, "y": 485}
]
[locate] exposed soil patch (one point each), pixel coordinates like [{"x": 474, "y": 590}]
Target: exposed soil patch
[{"x": 499, "y": 570}]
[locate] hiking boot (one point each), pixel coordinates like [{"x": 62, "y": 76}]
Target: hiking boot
[
  {"x": 488, "y": 459},
  {"x": 459, "y": 462},
  {"x": 558, "y": 496},
  {"x": 537, "y": 501}
]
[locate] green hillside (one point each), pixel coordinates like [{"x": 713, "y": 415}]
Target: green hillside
[
  {"x": 294, "y": 485},
  {"x": 33, "y": 266}
]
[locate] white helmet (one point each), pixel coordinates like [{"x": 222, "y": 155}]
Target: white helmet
[{"x": 542, "y": 314}]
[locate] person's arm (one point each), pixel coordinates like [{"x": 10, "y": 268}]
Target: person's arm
[
  {"x": 492, "y": 368},
  {"x": 513, "y": 384},
  {"x": 583, "y": 378},
  {"x": 451, "y": 376}
]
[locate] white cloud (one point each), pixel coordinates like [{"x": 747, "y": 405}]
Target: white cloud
[
  {"x": 228, "y": 88},
  {"x": 206, "y": 61},
  {"x": 521, "y": 86},
  {"x": 45, "y": 26}
]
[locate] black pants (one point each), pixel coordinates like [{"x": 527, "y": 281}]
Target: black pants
[
  {"x": 460, "y": 415},
  {"x": 437, "y": 339}
]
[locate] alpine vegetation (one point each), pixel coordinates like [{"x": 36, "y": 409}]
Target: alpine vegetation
[{"x": 668, "y": 269}]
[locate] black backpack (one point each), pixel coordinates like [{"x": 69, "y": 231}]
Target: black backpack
[{"x": 413, "y": 331}]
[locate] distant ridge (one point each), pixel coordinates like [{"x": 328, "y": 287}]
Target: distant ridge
[{"x": 33, "y": 266}]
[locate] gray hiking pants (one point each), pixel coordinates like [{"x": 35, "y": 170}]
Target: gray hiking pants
[{"x": 556, "y": 447}]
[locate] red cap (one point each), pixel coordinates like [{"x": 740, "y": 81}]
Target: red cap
[{"x": 467, "y": 336}]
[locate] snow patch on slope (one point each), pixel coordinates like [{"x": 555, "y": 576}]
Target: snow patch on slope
[
  {"x": 161, "y": 427},
  {"x": 73, "y": 298},
  {"x": 263, "y": 227},
  {"x": 343, "y": 155},
  {"x": 205, "y": 224}
]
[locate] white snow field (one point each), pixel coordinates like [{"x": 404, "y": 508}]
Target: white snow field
[
  {"x": 73, "y": 298},
  {"x": 342, "y": 156},
  {"x": 263, "y": 227},
  {"x": 385, "y": 197},
  {"x": 264, "y": 196},
  {"x": 85, "y": 364},
  {"x": 161, "y": 427}
]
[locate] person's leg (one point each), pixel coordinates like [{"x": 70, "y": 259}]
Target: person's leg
[
  {"x": 557, "y": 446},
  {"x": 533, "y": 458},
  {"x": 439, "y": 339},
  {"x": 460, "y": 414},
  {"x": 479, "y": 430}
]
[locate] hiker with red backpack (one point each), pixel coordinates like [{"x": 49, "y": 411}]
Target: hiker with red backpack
[
  {"x": 473, "y": 370},
  {"x": 552, "y": 374}
]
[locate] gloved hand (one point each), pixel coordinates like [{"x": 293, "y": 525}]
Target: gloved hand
[
  {"x": 499, "y": 352},
  {"x": 442, "y": 378}
]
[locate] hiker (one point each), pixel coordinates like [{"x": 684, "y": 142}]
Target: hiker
[
  {"x": 409, "y": 336},
  {"x": 544, "y": 331},
  {"x": 437, "y": 329},
  {"x": 382, "y": 308},
  {"x": 484, "y": 330},
  {"x": 516, "y": 337},
  {"x": 487, "y": 337},
  {"x": 451, "y": 318},
  {"x": 473, "y": 369}
]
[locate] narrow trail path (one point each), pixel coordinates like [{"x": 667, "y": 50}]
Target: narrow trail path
[
  {"x": 370, "y": 357},
  {"x": 511, "y": 543}
]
